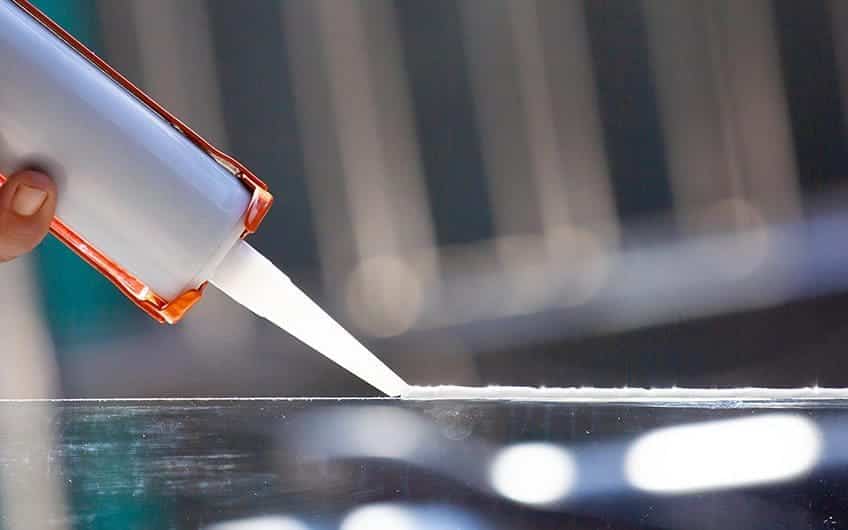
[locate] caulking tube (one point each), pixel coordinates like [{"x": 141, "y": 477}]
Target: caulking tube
[{"x": 142, "y": 198}]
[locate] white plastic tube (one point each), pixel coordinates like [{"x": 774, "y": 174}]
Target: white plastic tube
[
  {"x": 144, "y": 203},
  {"x": 130, "y": 183}
]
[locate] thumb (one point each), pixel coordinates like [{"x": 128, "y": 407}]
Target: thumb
[{"x": 27, "y": 205}]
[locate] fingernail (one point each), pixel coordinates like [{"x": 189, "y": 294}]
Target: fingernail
[{"x": 28, "y": 200}]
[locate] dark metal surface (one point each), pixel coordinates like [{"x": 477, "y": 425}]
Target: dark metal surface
[{"x": 354, "y": 464}]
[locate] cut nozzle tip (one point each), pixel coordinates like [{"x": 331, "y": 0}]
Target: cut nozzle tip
[{"x": 256, "y": 283}]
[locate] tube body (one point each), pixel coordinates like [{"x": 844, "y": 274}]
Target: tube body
[{"x": 129, "y": 183}]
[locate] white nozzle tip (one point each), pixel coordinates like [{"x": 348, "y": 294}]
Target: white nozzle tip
[{"x": 256, "y": 283}]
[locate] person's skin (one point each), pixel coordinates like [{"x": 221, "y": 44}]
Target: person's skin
[{"x": 27, "y": 205}]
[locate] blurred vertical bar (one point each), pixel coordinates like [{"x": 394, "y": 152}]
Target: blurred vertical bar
[
  {"x": 29, "y": 369},
  {"x": 810, "y": 75},
  {"x": 627, "y": 100},
  {"x": 257, "y": 91},
  {"x": 352, "y": 100},
  {"x": 560, "y": 118},
  {"x": 28, "y": 488},
  {"x": 560, "y": 121},
  {"x": 701, "y": 162},
  {"x": 515, "y": 190},
  {"x": 533, "y": 88},
  {"x": 838, "y": 12},
  {"x": 564, "y": 50},
  {"x": 322, "y": 152},
  {"x": 171, "y": 57},
  {"x": 499, "y": 105},
  {"x": 764, "y": 140},
  {"x": 723, "y": 112},
  {"x": 437, "y": 68}
]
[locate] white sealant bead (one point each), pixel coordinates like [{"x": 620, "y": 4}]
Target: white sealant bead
[{"x": 621, "y": 394}]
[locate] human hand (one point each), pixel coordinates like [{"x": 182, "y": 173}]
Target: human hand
[{"x": 27, "y": 205}]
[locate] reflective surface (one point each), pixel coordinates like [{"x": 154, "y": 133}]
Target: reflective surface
[{"x": 384, "y": 464}]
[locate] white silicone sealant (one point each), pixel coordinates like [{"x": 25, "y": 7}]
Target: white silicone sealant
[{"x": 252, "y": 280}]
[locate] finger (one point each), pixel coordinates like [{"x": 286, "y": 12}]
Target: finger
[{"x": 27, "y": 205}]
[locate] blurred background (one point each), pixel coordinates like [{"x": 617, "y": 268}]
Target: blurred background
[
  {"x": 555, "y": 192},
  {"x": 550, "y": 192}
]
